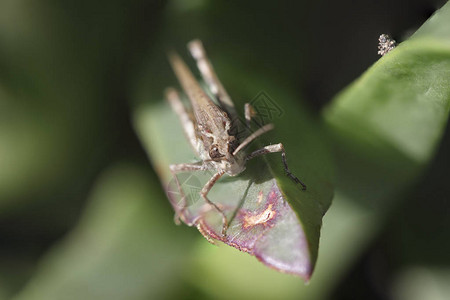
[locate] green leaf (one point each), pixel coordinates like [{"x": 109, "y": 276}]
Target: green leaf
[
  {"x": 271, "y": 217},
  {"x": 420, "y": 282},
  {"x": 389, "y": 122},
  {"x": 344, "y": 233},
  {"x": 122, "y": 248},
  {"x": 386, "y": 127}
]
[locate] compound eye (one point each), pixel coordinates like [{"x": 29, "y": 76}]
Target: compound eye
[{"x": 214, "y": 152}]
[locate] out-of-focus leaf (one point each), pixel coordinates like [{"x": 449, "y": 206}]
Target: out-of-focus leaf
[
  {"x": 422, "y": 282},
  {"x": 386, "y": 127},
  {"x": 63, "y": 68},
  {"x": 123, "y": 247},
  {"x": 391, "y": 119},
  {"x": 59, "y": 97},
  {"x": 271, "y": 217}
]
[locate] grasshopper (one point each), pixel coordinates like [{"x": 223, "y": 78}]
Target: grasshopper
[{"x": 210, "y": 129}]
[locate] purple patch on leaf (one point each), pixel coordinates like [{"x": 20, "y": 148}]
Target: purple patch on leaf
[{"x": 266, "y": 227}]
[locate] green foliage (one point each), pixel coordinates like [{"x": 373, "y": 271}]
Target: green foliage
[
  {"x": 73, "y": 76},
  {"x": 388, "y": 123},
  {"x": 121, "y": 248},
  {"x": 293, "y": 246}
]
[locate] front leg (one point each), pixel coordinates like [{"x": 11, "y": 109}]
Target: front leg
[
  {"x": 204, "y": 192},
  {"x": 273, "y": 149},
  {"x": 178, "y": 168}
]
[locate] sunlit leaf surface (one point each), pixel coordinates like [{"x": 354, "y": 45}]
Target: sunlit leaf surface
[
  {"x": 372, "y": 172},
  {"x": 270, "y": 216}
]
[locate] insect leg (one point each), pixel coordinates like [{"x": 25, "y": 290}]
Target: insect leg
[
  {"x": 210, "y": 77},
  {"x": 178, "y": 107},
  {"x": 273, "y": 149},
  {"x": 249, "y": 113},
  {"x": 252, "y": 137},
  {"x": 177, "y": 168},
  {"x": 204, "y": 193}
]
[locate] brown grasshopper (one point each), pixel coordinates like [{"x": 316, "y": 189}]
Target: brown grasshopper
[{"x": 210, "y": 130}]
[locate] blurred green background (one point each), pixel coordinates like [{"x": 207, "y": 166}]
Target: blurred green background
[{"x": 82, "y": 212}]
